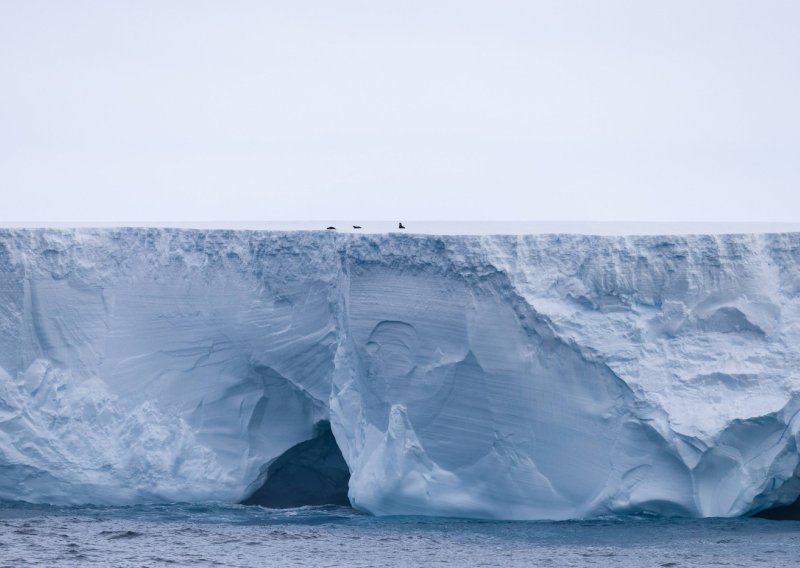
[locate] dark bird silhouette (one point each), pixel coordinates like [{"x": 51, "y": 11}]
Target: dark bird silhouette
[
  {"x": 400, "y": 226},
  {"x": 332, "y": 228},
  {"x": 356, "y": 226}
]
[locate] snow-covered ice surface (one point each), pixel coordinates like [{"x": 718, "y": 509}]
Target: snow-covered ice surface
[{"x": 518, "y": 376}]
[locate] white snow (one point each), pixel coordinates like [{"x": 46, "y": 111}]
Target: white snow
[{"x": 517, "y": 376}]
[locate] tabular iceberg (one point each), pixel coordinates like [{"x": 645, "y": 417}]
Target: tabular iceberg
[{"x": 521, "y": 377}]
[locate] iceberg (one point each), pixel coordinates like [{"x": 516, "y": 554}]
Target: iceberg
[{"x": 491, "y": 376}]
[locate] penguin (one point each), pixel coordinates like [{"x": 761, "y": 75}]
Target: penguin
[
  {"x": 331, "y": 228},
  {"x": 356, "y": 226},
  {"x": 400, "y": 226}
]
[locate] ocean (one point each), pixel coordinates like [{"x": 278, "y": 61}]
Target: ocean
[{"x": 224, "y": 535}]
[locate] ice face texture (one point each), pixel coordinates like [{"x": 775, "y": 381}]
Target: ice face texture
[{"x": 535, "y": 377}]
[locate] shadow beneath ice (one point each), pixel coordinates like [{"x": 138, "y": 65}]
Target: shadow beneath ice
[{"x": 313, "y": 472}]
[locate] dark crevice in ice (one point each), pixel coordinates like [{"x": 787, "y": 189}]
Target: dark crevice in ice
[
  {"x": 784, "y": 513},
  {"x": 311, "y": 473}
]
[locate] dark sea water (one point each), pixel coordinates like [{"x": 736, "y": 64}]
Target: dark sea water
[{"x": 193, "y": 535}]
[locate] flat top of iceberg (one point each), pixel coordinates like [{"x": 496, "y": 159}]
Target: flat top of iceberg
[{"x": 453, "y": 227}]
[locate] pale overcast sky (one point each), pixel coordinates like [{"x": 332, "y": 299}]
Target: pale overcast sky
[{"x": 683, "y": 110}]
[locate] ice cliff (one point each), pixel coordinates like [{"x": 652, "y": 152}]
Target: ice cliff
[{"x": 519, "y": 377}]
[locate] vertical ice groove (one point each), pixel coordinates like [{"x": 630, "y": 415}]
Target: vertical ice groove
[{"x": 520, "y": 376}]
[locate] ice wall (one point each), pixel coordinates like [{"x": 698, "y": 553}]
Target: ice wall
[{"x": 507, "y": 376}]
